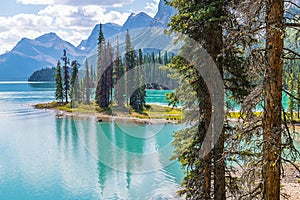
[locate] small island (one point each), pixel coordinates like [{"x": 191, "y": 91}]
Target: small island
[
  {"x": 152, "y": 114},
  {"x": 116, "y": 89},
  {"x": 47, "y": 75}
]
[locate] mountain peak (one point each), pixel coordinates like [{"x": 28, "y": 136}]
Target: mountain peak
[
  {"x": 163, "y": 15},
  {"x": 109, "y": 29},
  {"x": 139, "y": 20},
  {"x": 48, "y": 37}
]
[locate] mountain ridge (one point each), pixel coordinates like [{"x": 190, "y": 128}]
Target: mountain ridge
[{"x": 29, "y": 55}]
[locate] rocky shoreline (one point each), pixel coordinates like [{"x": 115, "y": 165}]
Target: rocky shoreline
[{"x": 100, "y": 117}]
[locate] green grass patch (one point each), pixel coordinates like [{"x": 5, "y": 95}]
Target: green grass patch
[
  {"x": 238, "y": 115},
  {"x": 149, "y": 112}
]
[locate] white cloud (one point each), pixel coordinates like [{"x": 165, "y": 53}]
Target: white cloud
[
  {"x": 72, "y": 20},
  {"x": 36, "y": 2},
  {"x": 21, "y": 25},
  {"x": 152, "y": 7},
  {"x": 71, "y": 23},
  {"x": 109, "y": 3}
]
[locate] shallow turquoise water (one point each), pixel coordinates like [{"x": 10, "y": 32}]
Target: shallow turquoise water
[{"x": 45, "y": 157}]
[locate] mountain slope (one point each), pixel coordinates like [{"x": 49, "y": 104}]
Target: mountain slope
[
  {"x": 163, "y": 15},
  {"x": 30, "y": 55},
  {"x": 151, "y": 39},
  {"x": 139, "y": 20},
  {"x": 109, "y": 29}
]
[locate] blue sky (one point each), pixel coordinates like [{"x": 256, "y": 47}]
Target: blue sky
[{"x": 72, "y": 20}]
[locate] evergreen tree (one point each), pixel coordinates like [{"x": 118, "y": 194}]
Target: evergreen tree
[
  {"x": 137, "y": 99},
  {"x": 120, "y": 86},
  {"x": 100, "y": 70},
  {"x": 130, "y": 62},
  {"x": 200, "y": 20},
  {"x": 272, "y": 122},
  {"x": 159, "y": 58},
  {"x": 66, "y": 75},
  {"x": 75, "y": 84},
  {"x": 59, "y": 94},
  {"x": 166, "y": 60},
  {"x": 109, "y": 73},
  {"x": 92, "y": 77},
  {"x": 82, "y": 90},
  {"x": 87, "y": 83},
  {"x": 262, "y": 32},
  {"x": 141, "y": 80},
  {"x": 105, "y": 72}
]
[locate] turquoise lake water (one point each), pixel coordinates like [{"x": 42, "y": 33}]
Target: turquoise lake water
[{"x": 44, "y": 157}]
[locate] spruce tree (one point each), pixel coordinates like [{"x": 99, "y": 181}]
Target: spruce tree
[
  {"x": 272, "y": 122},
  {"x": 109, "y": 73},
  {"x": 100, "y": 69},
  {"x": 59, "y": 94},
  {"x": 141, "y": 82},
  {"x": 201, "y": 21},
  {"x": 119, "y": 81},
  {"x": 87, "y": 83},
  {"x": 66, "y": 75},
  {"x": 75, "y": 84},
  {"x": 130, "y": 62},
  {"x": 103, "y": 94},
  {"x": 92, "y": 77}
]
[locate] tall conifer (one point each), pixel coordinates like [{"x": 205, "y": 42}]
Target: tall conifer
[{"x": 59, "y": 94}]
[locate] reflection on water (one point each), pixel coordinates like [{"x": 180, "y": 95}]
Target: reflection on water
[
  {"x": 124, "y": 177},
  {"x": 42, "y": 85},
  {"x": 44, "y": 157}
]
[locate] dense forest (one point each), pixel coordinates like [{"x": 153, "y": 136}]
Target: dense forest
[
  {"x": 47, "y": 74},
  {"x": 251, "y": 48},
  {"x": 118, "y": 79},
  {"x": 254, "y": 45}
]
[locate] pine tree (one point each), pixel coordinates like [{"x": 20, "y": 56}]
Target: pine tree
[
  {"x": 92, "y": 77},
  {"x": 66, "y": 75},
  {"x": 87, "y": 83},
  {"x": 109, "y": 73},
  {"x": 201, "y": 21},
  {"x": 137, "y": 99},
  {"x": 120, "y": 86},
  {"x": 130, "y": 62},
  {"x": 141, "y": 82},
  {"x": 272, "y": 121},
  {"x": 75, "y": 84},
  {"x": 100, "y": 70},
  {"x": 166, "y": 60},
  {"x": 59, "y": 94},
  {"x": 82, "y": 91}
]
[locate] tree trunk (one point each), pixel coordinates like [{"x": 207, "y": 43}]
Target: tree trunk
[
  {"x": 214, "y": 44},
  {"x": 219, "y": 163},
  {"x": 273, "y": 96}
]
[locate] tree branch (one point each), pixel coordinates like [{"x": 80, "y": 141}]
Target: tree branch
[
  {"x": 290, "y": 94},
  {"x": 291, "y": 51},
  {"x": 292, "y": 3},
  {"x": 288, "y": 161},
  {"x": 292, "y": 24},
  {"x": 290, "y": 58}
]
